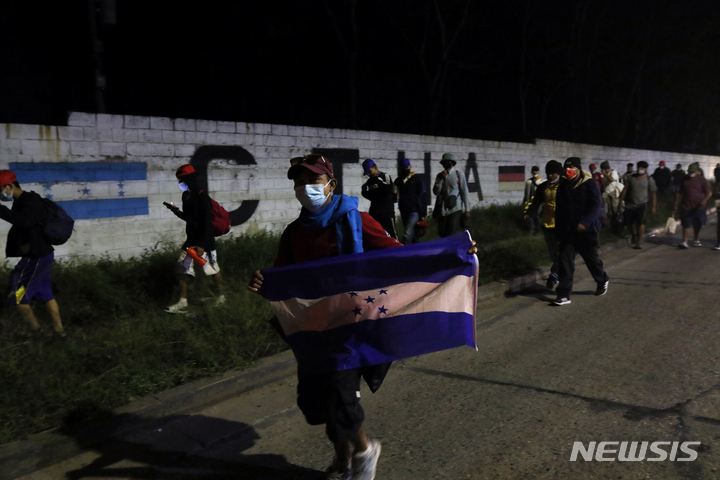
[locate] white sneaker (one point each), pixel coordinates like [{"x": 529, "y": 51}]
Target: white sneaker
[
  {"x": 220, "y": 300},
  {"x": 561, "y": 301},
  {"x": 697, "y": 243},
  {"x": 717, "y": 247},
  {"x": 179, "y": 307},
  {"x": 365, "y": 463},
  {"x": 683, "y": 245}
]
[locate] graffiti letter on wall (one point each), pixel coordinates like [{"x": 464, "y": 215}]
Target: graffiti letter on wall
[
  {"x": 471, "y": 166},
  {"x": 207, "y": 153}
]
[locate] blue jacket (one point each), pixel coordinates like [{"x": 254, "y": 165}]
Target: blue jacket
[{"x": 578, "y": 201}]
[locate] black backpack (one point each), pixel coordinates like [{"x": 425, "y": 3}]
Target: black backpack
[{"x": 58, "y": 224}]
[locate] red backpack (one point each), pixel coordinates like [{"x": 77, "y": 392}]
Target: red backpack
[{"x": 220, "y": 219}]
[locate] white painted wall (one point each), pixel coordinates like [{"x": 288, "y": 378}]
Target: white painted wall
[{"x": 164, "y": 144}]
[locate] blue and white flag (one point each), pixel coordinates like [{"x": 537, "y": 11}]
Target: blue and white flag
[{"x": 370, "y": 308}]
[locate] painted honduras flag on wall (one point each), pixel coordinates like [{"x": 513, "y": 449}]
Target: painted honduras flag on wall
[{"x": 369, "y": 308}]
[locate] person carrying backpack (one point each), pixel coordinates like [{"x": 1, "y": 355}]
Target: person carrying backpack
[
  {"x": 31, "y": 278},
  {"x": 197, "y": 212}
]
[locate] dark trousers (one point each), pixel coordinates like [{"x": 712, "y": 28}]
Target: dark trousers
[
  {"x": 586, "y": 244},
  {"x": 449, "y": 224},
  {"x": 552, "y": 246}
]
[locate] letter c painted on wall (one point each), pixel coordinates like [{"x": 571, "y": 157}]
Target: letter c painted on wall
[{"x": 207, "y": 153}]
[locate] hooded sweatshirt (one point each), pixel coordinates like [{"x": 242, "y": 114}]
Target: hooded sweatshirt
[{"x": 578, "y": 201}]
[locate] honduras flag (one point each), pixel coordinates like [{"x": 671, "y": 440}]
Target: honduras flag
[{"x": 370, "y": 308}]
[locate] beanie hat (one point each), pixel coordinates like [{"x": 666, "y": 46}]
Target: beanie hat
[
  {"x": 592, "y": 167},
  {"x": 553, "y": 166},
  {"x": 605, "y": 165},
  {"x": 573, "y": 162},
  {"x": 405, "y": 163}
]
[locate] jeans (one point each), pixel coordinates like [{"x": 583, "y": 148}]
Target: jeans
[
  {"x": 409, "y": 220},
  {"x": 449, "y": 224},
  {"x": 553, "y": 249}
]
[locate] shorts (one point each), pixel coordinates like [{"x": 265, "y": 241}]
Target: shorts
[
  {"x": 332, "y": 399},
  {"x": 635, "y": 216},
  {"x": 186, "y": 264},
  {"x": 695, "y": 218},
  {"x": 30, "y": 280}
]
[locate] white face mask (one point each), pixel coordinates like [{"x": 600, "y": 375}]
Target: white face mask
[
  {"x": 556, "y": 180},
  {"x": 182, "y": 186},
  {"x": 312, "y": 196},
  {"x": 641, "y": 172}
]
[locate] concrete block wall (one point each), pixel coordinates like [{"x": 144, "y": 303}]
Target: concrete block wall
[{"x": 121, "y": 211}]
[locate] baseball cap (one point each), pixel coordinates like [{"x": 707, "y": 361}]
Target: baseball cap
[
  {"x": 7, "y": 177},
  {"x": 405, "y": 162},
  {"x": 662, "y": 163},
  {"x": 313, "y": 162},
  {"x": 573, "y": 162},
  {"x": 184, "y": 170},
  {"x": 367, "y": 165}
]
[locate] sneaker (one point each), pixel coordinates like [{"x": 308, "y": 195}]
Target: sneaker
[
  {"x": 561, "y": 301},
  {"x": 637, "y": 246},
  {"x": 179, "y": 307},
  {"x": 716, "y": 247},
  {"x": 683, "y": 245},
  {"x": 338, "y": 472},
  {"x": 552, "y": 282},
  {"x": 220, "y": 300},
  {"x": 365, "y": 463},
  {"x": 601, "y": 289},
  {"x": 697, "y": 243}
]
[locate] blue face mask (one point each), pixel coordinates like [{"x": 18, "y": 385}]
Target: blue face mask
[
  {"x": 6, "y": 197},
  {"x": 312, "y": 196},
  {"x": 182, "y": 186},
  {"x": 556, "y": 180}
]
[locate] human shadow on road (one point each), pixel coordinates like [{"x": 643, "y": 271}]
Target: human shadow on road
[
  {"x": 541, "y": 292},
  {"x": 178, "y": 447}
]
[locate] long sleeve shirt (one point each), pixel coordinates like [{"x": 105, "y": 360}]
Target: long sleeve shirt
[
  {"x": 27, "y": 216},
  {"x": 453, "y": 184}
]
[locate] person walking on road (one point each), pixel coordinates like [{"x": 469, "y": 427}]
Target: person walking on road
[
  {"x": 197, "y": 214},
  {"x": 691, "y": 198},
  {"x": 452, "y": 197},
  {"x": 577, "y": 224},
  {"x": 663, "y": 179},
  {"x": 546, "y": 195},
  {"x": 381, "y": 192},
  {"x": 531, "y": 185},
  {"x": 677, "y": 175},
  {"x": 31, "y": 278},
  {"x": 333, "y": 398},
  {"x": 639, "y": 190},
  {"x": 411, "y": 200}
]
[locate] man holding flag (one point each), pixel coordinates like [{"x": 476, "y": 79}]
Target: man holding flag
[{"x": 325, "y": 320}]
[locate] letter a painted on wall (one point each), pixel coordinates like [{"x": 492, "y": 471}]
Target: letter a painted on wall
[
  {"x": 207, "y": 153},
  {"x": 471, "y": 167}
]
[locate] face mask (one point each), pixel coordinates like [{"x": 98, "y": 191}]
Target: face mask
[
  {"x": 691, "y": 175},
  {"x": 569, "y": 173},
  {"x": 182, "y": 186},
  {"x": 641, "y": 172},
  {"x": 311, "y": 196},
  {"x": 6, "y": 197},
  {"x": 555, "y": 181}
]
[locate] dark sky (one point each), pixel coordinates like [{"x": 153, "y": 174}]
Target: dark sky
[{"x": 624, "y": 73}]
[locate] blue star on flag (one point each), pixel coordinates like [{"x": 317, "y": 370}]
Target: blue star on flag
[
  {"x": 353, "y": 294},
  {"x": 121, "y": 185},
  {"x": 86, "y": 191},
  {"x": 121, "y": 193},
  {"x": 49, "y": 197},
  {"x": 383, "y": 310},
  {"x": 370, "y": 299},
  {"x": 383, "y": 292},
  {"x": 47, "y": 187},
  {"x": 357, "y": 310}
]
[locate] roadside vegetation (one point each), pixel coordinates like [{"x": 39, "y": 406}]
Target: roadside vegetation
[{"x": 121, "y": 345}]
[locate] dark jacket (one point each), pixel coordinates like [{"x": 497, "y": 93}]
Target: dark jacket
[
  {"x": 411, "y": 195},
  {"x": 381, "y": 193},
  {"x": 578, "y": 201},
  {"x": 662, "y": 177},
  {"x": 27, "y": 216},
  {"x": 678, "y": 175},
  {"x": 197, "y": 213}
]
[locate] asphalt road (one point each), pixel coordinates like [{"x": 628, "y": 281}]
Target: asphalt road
[{"x": 639, "y": 364}]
